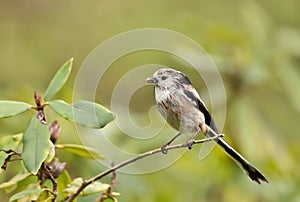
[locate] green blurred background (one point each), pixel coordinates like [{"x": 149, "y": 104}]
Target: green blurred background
[{"x": 255, "y": 44}]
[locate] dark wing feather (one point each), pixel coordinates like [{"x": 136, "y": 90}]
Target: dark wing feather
[{"x": 199, "y": 104}]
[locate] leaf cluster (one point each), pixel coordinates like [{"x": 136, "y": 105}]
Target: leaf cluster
[{"x": 38, "y": 143}]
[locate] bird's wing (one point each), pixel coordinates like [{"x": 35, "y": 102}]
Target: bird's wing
[{"x": 192, "y": 95}]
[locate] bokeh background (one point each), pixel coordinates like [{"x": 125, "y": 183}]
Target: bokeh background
[{"x": 256, "y": 47}]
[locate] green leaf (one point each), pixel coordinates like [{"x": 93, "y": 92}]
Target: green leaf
[
  {"x": 35, "y": 145},
  {"x": 46, "y": 196},
  {"x": 93, "y": 188},
  {"x": 8, "y": 142},
  {"x": 62, "y": 181},
  {"x": 11, "y": 108},
  {"x": 27, "y": 195},
  {"x": 51, "y": 153},
  {"x": 13, "y": 181},
  {"x": 62, "y": 108},
  {"x": 80, "y": 150},
  {"x": 75, "y": 184},
  {"x": 84, "y": 113},
  {"x": 58, "y": 80}
]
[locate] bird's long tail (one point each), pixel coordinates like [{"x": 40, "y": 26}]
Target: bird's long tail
[{"x": 249, "y": 169}]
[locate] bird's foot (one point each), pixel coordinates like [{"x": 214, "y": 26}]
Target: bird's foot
[
  {"x": 189, "y": 144},
  {"x": 164, "y": 149}
]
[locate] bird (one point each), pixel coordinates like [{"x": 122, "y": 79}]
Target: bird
[{"x": 181, "y": 106}]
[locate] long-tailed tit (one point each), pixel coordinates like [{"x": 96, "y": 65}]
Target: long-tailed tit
[{"x": 181, "y": 106}]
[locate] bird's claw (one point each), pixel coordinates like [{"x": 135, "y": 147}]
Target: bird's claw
[
  {"x": 164, "y": 149},
  {"x": 189, "y": 144}
]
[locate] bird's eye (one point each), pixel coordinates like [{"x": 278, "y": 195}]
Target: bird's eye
[{"x": 163, "y": 77}]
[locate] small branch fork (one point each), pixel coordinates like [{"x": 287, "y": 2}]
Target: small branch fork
[
  {"x": 136, "y": 158},
  {"x": 40, "y": 108},
  {"x": 49, "y": 174},
  {"x": 8, "y": 159}
]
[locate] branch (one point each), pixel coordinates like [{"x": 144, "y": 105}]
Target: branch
[
  {"x": 133, "y": 159},
  {"x": 51, "y": 177},
  {"x": 8, "y": 159}
]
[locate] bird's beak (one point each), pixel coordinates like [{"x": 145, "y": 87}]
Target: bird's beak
[{"x": 152, "y": 80}]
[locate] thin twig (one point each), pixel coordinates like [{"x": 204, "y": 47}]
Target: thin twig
[
  {"x": 51, "y": 177},
  {"x": 8, "y": 159},
  {"x": 109, "y": 192},
  {"x": 133, "y": 159}
]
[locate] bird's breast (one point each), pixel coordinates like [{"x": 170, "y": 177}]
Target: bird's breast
[{"x": 178, "y": 111}]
